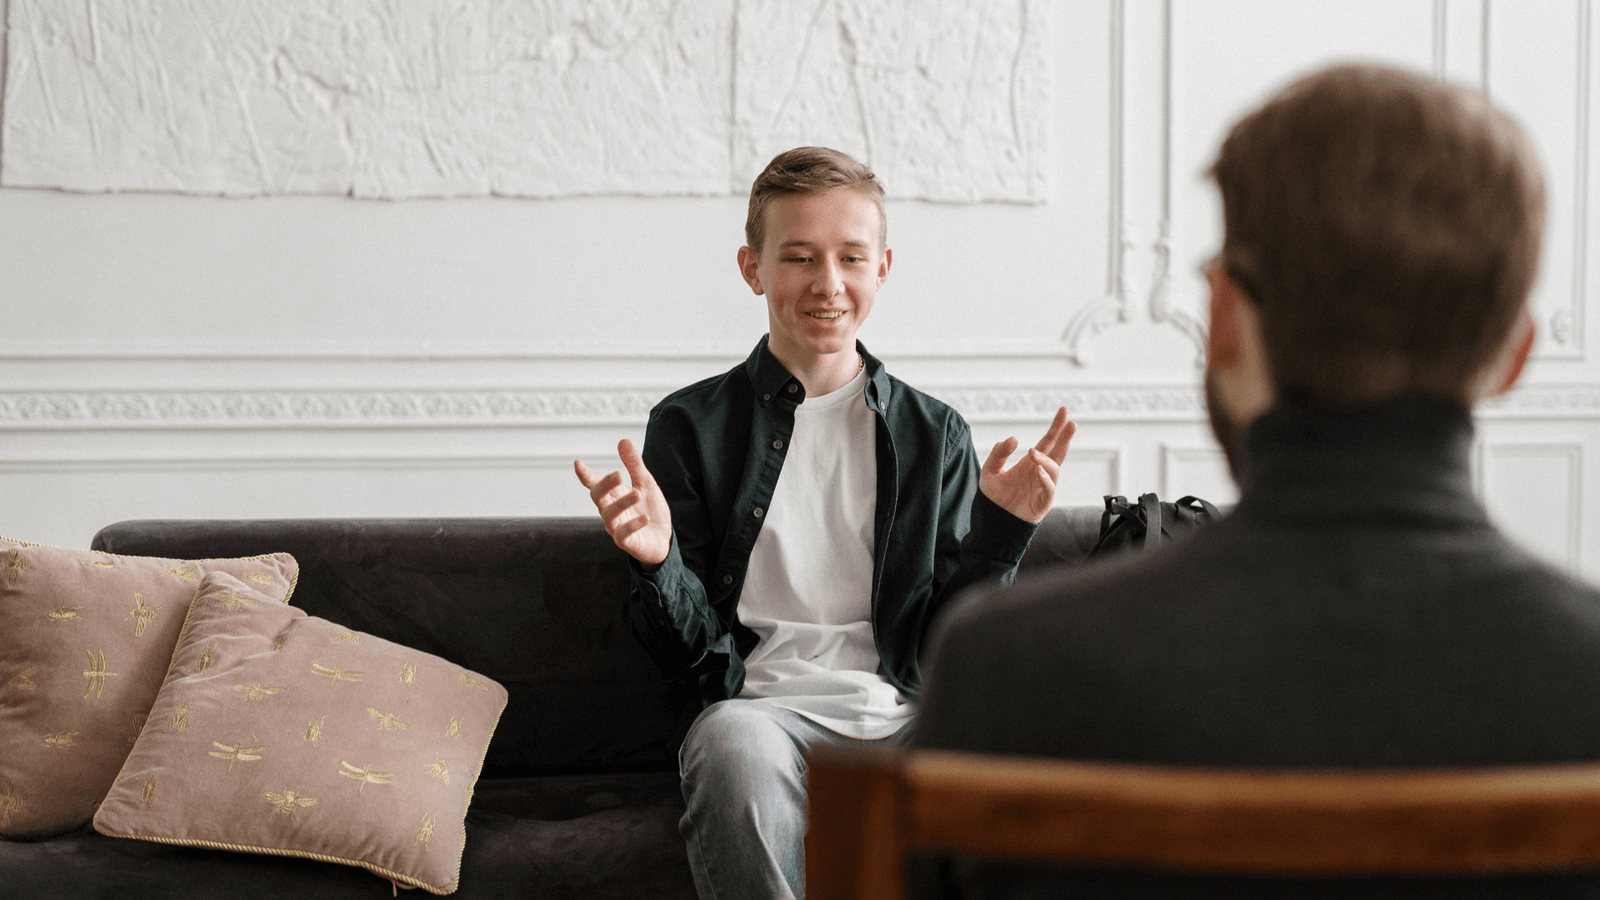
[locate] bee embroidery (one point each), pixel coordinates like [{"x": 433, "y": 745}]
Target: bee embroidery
[
  {"x": 10, "y": 805},
  {"x": 440, "y": 770},
  {"x": 388, "y": 721},
  {"x": 97, "y": 674},
  {"x": 407, "y": 673},
  {"x": 335, "y": 674},
  {"x": 233, "y": 601},
  {"x": 141, "y": 614},
  {"x": 187, "y": 573},
  {"x": 103, "y": 564},
  {"x": 179, "y": 720},
  {"x": 138, "y": 726},
  {"x": 260, "y": 577},
  {"x": 149, "y": 789},
  {"x": 314, "y": 730},
  {"x": 278, "y": 645},
  {"x": 425, "y": 833},
  {"x": 208, "y": 657},
  {"x": 350, "y": 636},
  {"x": 60, "y": 739},
  {"x": 25, "y": 680},
  {"x": 256, "y": 691},
  {"x": 469, "y": 680},
  {"x": 454, "y": 728},
  {"x": 289, "y": 802},
  {"x": 238, "y": 753},
  {"x": 366, "y": 776},
  {"x": 63, "y": 613},
  {"x": 16, "y": 565}
]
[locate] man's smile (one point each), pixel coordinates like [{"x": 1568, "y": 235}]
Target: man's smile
[{"x": 825, "y": 313}]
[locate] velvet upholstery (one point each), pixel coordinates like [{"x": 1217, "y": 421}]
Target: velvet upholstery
[{"x": 579, "y": 796}]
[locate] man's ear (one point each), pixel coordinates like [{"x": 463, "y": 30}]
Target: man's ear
[
  {"x": 1224, "y": 342},
  {"x": 883, "y": 266},
  {"x": 749, "y": 260},
  {"x": 1523, "y": 334}
]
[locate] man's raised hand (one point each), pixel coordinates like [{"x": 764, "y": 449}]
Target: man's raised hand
[
  {"x": 636, "y": 516},
  {"x": 1027, "y": 489}
]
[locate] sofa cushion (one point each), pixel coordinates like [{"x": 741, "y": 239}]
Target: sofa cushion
[
  {"x": 282, "y": 733},
  {"x": 85, "y": 639},
  {"x": 538, "y": 604},
  {"x": 607, "y": 836}
]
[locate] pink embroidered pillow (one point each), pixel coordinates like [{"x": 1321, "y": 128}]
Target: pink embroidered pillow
[
  {"x": 85, "y": 639},
  {"x": 278, "y": 732}
]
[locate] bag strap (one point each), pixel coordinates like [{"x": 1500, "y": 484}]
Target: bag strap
[
  {"x": 1150, "y": 505},
  {"x": 1195, "y": 506}
]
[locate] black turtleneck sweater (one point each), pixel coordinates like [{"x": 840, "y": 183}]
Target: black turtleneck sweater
[{"x": 1356, "y": 609}]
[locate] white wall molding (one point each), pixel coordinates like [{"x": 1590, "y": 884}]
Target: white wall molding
[
  {"x": 360, "y": 462},
  {"x": 1140, "y": 225},
  {"x": 119, "y": 410},
  {"x": 538, "y": 407},
  {"x": 323, "y": 409}
]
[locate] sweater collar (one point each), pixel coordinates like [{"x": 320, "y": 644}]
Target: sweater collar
[{"x": 1405, "y": 458}]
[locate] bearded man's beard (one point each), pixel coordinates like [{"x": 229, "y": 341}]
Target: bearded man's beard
[{"x": 1224, "y": 426}]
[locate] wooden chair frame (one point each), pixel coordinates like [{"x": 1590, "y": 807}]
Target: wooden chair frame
[{"x": 870, "y": 809}]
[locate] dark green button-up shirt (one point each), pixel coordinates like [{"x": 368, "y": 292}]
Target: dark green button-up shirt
[{"x": 716, "y": 448}]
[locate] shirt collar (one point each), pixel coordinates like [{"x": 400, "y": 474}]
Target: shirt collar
[{"x": 773, "y": 382}]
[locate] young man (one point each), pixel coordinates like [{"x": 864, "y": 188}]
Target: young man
[
  {"x": 1358, "y": 608},
  {"x": 796, "y": 523}
]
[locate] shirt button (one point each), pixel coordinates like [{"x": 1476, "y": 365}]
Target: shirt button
[
  {"x": 777, "y": 445},
  {"x": 727, "y": 579},
  {"x": 759, "y": 512},
  {"x": 882, "y": 405},
  {"x": 766, "y": 396},
  {"x": 793, "y": 388}
]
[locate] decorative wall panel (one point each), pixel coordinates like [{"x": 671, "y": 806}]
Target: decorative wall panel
[
  {"x": 1540, "y": 67},
  {"x": 526, "y": 98},
  {"x": 1535, "y": 494}
]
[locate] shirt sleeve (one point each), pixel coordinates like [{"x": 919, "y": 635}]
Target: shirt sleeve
[
  {"x": 671, "y": 613},
  {"x": 979, "y": 541}
]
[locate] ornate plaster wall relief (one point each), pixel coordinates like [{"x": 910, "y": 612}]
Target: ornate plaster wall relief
[{"x": 524, "y": 98}]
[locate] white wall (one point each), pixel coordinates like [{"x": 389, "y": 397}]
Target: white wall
[{"x": 164, "y": 355}]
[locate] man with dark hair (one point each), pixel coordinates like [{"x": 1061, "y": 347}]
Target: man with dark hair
[
  {"x": 1357, "y": 608},
  {"x": 796, "y": 522}
]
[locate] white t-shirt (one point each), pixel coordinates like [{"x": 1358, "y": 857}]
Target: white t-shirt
[{"x": 808, "y": 588}]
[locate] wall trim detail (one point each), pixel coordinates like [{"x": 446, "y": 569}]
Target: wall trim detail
[{"x": 172, "y": 410}]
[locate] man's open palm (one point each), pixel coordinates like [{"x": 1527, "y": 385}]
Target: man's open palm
[
  {"x": 636, "y": 516},
  {"x": 1027, "y": 489}
]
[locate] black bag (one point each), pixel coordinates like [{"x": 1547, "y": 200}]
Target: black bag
[{"x": 1144, "y": 525}]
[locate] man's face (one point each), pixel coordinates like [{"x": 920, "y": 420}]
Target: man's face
[
  {"x": 1223, "y": 424},
  {"x": 820, "y": 269}
]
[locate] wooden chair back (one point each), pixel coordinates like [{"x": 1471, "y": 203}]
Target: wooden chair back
[{"x": 871, "y": 809}]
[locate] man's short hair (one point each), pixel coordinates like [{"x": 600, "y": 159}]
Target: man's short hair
[
  {"x": 1387, "y": 228},
  {"x": 809, "y": 170}
]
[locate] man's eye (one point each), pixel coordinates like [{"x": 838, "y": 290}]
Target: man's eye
[
  {"x": 855, "y": 259},
  {"x": 798, "y": 259}
]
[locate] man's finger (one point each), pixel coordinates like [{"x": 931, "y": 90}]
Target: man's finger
[
  {"x": 998, "y": 456},
  {"x": 1058, "y": 436},
  {"x": 634, "y": 461},
  {"x": 586, "y": 476},
  {"x": 627, "y": 529},
  {"x": 607, "y": 484},
  {"x": 613, "y": 510},
  {"x": 1049, "y": 466}
]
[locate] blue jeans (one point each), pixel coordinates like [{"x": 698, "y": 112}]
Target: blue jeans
[{"x": 743, "y": 768}]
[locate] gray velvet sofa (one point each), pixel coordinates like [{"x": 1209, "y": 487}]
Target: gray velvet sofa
[{"x": 579, "y": 796}]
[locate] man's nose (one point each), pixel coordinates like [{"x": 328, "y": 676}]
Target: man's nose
[{"x": 830, "y": 280}]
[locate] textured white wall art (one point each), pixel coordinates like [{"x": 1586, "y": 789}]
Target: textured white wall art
[
  {"x": 525, "y": 98},
  {"x": 947, "y": 98}
]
